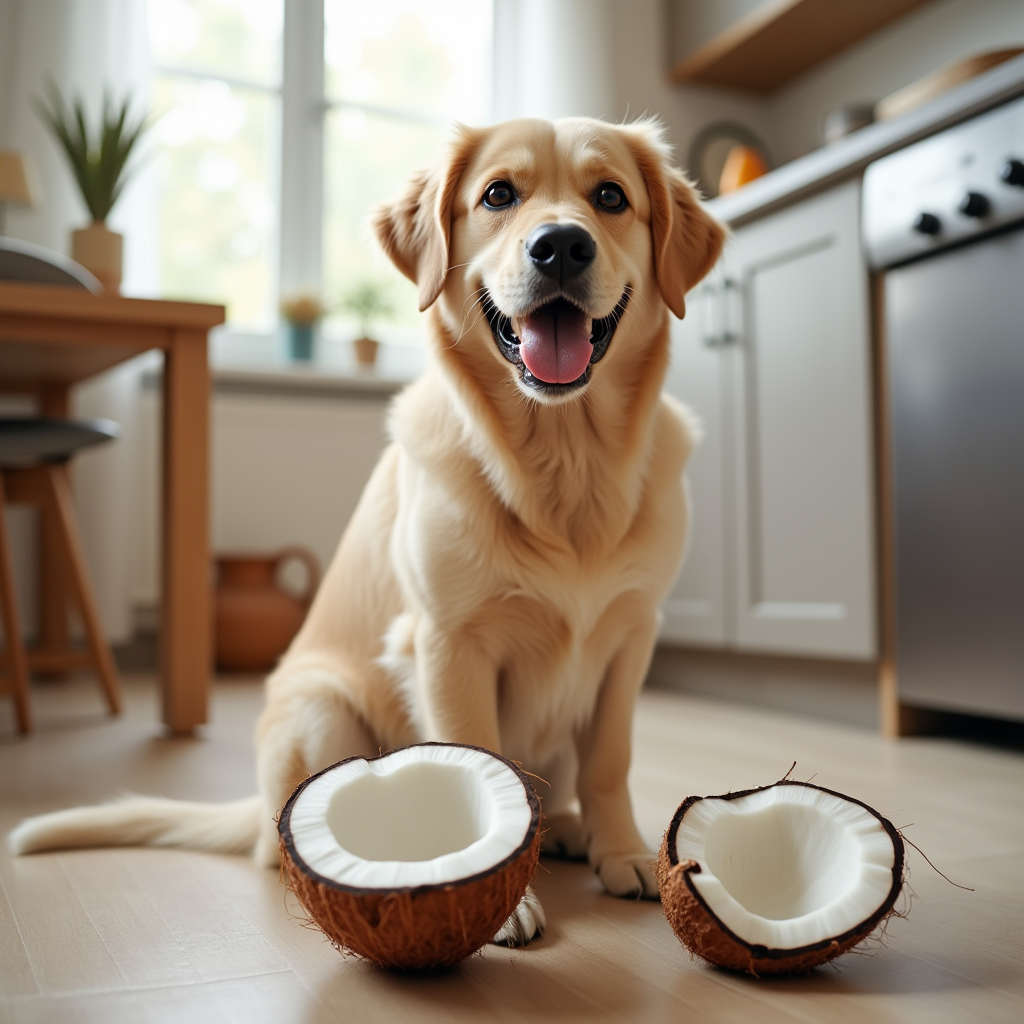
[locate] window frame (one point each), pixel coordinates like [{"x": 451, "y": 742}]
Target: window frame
[{"x": 303, "y": 108}]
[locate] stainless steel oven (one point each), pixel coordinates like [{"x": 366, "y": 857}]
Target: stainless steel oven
[{"x": 944, "y": 222}]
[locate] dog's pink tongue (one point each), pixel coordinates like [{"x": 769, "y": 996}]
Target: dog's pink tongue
[{"x": 555, "y": 343}]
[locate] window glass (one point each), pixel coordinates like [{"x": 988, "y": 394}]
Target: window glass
[
  {"x": 240, "y": 39},
  {"x": 429, "y": 57},
  {"x": 217, "y": 138},
  {"x": 397, "y": 74},
  {"x": 367, "y": 159}
]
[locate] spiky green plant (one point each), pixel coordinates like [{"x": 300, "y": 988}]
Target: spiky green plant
[
  {"x": 368, "y": 301},
  {"x": 99, "y": 164}
]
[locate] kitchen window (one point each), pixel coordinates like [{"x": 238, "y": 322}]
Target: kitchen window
[{"x": 268, "y": 163}]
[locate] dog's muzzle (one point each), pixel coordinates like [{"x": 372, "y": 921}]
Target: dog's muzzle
[{"x": 544, "y": 367}]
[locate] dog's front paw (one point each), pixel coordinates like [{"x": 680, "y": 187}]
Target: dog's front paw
[
  {"x": 526, "y": 923},
  {"x": 564, "y": 837},
  {"x": 629, "y": 875}
]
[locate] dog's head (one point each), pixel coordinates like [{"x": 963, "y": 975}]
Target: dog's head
[{"x": 552, "y": 231}]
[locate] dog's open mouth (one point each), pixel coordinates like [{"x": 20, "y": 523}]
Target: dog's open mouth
[{"x": 555, "y": 345}]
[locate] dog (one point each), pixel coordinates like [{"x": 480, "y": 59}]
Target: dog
[{"x": 499, "y": 582}]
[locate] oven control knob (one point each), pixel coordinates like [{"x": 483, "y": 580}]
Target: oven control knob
[
  {"x": 974, "y": 204},
  {"x": 927, "y": 224},
  {"x": 1013, "y": 173}
]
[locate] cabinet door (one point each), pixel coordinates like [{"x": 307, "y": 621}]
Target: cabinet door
[
  {"x": 694, "y": 611},
  {"x": 804, "y": 537}
]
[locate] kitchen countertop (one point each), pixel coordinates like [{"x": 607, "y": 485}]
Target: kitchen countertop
[{"x": 849, "y": 156}]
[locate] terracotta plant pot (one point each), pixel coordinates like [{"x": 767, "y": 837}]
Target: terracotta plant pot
[
  {"x": 366, "y": 351},
  {"x": 255, "y": 619},
  {"x": 100, "y": 251}
]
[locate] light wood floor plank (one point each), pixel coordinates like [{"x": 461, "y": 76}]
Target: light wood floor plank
[
  {"x": 63, "y": 948},
  {"x": 16, "y": 978},
  {"x": 162, "y": 935},
  {"x": 127, "y": 919},
  {"x": 272, "y": 999},
  {"x": 218, "y": 940}
]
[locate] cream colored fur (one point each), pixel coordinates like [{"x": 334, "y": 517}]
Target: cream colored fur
[{"x": 499, "y": 583}]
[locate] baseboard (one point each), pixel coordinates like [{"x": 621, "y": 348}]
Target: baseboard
[{"x": 842, "y": 691}]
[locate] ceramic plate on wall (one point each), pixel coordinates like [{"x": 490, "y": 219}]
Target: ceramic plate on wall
[{"x": 709, "y": 150}]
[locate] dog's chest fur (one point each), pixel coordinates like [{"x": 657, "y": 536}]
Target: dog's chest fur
[{"x": 549, "y": 601}]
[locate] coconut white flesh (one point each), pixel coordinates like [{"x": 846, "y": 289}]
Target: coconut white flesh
[
  {"x": 420, "y": 816},
  {"x": 787, "y": 866}
]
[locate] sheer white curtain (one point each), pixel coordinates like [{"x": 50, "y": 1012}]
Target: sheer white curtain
[{"x": 84, "y": 47}]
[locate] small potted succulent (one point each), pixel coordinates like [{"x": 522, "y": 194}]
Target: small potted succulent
[
  {"x": 100, "y": 168},
  {"x": 368, "y": 301},
  {"x": 302, "y": 311}
]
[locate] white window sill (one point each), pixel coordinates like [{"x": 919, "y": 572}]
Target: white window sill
[{"x": 251, "y": 362}]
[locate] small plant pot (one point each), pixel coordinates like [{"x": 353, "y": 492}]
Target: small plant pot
[
  {"x": 366, "y": 351},
  {"x": 100, "y": 251},
  {"x": 300, "y": 342}
]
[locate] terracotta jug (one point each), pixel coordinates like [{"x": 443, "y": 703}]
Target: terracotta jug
[{"x": 255, "y": 619}]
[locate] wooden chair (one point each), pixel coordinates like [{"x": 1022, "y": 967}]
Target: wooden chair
[{"x": 33, "y": 469}]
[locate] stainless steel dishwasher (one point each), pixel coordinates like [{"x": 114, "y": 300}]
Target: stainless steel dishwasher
[{"x": 944, "y": 220}]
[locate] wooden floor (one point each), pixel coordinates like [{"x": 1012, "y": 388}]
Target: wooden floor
[{"x": 157, "y": 935}]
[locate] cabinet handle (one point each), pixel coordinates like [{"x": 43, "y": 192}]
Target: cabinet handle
[
  {"x": 731, "y": 312},
  {"x": 720, "y": 307},
  {"x": 709, "y": 316}
]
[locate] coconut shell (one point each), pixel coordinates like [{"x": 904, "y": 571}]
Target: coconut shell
[
  {"x": 706, "y": 937},
  {"x": 417, "y": 928}
]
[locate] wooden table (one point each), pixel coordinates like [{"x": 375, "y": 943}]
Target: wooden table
[{"x": 51, "y": 338}]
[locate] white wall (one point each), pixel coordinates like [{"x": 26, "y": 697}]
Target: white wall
[
  {"x": 286, "y": 469},
  {"x": 639, "y": 62},
  {"x": 601, "y": 58}
]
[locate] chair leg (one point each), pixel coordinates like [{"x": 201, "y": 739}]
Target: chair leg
[
  {"x": 16, "y": 662},
  {"x": 54, "y": 591},
  {"x": 64, "y": 512}
]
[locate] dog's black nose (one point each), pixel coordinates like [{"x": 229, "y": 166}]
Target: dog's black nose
[{"x": 561, "y": 251}]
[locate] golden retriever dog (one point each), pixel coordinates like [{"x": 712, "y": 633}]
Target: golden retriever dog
[{"x": 499, "y": 583}]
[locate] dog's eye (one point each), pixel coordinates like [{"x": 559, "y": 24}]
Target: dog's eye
[
  {"x": 610, "y": 197},
  {"x": 499, "y": 195}
]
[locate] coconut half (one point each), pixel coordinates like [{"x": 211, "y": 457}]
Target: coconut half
[
  {"x": 778, "y": 879},
  {"x": 413, "y": 859}
]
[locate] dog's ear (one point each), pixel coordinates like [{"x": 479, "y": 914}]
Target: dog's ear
[
  {"x": 686, "y": 240},
  {"x": 414, "y": 230}
]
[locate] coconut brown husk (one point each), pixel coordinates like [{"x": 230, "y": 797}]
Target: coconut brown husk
[
  {"x": 414, "y": 929},
  {"x": 707, "y": 938}
]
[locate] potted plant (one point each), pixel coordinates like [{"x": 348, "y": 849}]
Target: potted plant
[
  {"x": 368, "y": 301},
  {"x": 100, "y": 168},
  {"x": 301, "y": 311}
]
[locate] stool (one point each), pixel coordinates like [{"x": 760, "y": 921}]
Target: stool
[{"x": 33, "y": 469}]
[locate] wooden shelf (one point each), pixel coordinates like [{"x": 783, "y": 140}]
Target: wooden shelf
[{"x": 784, "y": 38}]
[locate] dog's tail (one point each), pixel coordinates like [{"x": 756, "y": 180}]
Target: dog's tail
[{"x": 144, "y": 821}]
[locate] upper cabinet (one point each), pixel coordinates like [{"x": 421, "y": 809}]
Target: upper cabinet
[
  {"x": 774, "y": 357},
  {"x": 762, "y": 44}
]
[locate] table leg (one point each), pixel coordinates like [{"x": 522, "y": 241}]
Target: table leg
[
  {"x": 185, "y": 634},
  {"x": 54, "y": 625}
]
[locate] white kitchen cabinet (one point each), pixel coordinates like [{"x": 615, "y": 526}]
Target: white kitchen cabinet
[
  {"x": 695, "y": 611},
  {"x": 775, "y": 359}
]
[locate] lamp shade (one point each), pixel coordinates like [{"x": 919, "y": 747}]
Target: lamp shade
[{"x": 14, "y": 186}]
